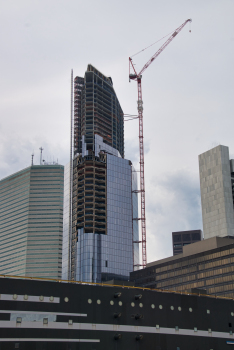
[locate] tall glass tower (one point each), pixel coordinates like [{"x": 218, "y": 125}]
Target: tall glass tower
[
  {"x": 104, "y": 198},
  {"x": 97, "y": 111}
]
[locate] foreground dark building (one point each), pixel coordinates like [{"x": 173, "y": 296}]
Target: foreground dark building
[{"x": 45, "y": 315}]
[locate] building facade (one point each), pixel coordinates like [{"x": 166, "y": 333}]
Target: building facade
[
  {"x": 80, "y": 316},
  {"x": 104, "y": 197},
  {"x": 31, "y": 222},
  {"x": 66, "y": 225},
  {"x": 208, "y": 265},
  {"x": 183, "y": 238},
  {"x": 97, "y": 111},
  {"x": 216, "y": 184}
]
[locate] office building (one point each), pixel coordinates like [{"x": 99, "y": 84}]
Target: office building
[
  {"x": 104, "y": 198},
  {"x": 208, "y": 265},
  {"x": 217, "y": 185},
  {"x": 31, "y": 222},
  {"x": 183, "y": 238}
]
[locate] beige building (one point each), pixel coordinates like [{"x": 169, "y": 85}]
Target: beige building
[
  {"x": 216, "y": 181},
  {"x": 31, "y": 222},
  {"x": 208, "y": 265}
]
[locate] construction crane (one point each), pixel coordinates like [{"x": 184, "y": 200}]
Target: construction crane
[{"x": 137, "y": 77}]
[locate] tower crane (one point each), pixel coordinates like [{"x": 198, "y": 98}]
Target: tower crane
[{"x": 137, "y": 77}]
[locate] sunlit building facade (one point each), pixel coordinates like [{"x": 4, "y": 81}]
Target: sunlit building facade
[{"x": 206, "y": 266}]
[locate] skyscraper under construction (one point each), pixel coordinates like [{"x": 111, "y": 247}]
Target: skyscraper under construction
[{"x": 104, "y": 190}]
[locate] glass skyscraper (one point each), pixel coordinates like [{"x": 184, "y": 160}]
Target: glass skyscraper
[
  {"x": 104, "y": 197},
  {"x": 31, "y": 222},
  {"x": 97, "y": 111}
]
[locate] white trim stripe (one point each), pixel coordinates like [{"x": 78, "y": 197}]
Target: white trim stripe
[
  {"x": 33, "y": 298},
  {"x": 51, "y": 340},
  {"x": 40, "y": 313},
  {"x": 113, "y": 327}
]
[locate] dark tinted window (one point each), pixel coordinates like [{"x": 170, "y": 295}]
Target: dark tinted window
[
  {"x": 196, "y": 236},
  {"x": 177, "y": 238},
  {"x": 186, "y": 237}
]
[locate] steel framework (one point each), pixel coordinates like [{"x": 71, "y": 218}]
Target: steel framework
[{"x": 137, "y": 77}]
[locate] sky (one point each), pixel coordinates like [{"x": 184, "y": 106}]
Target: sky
[{"x": 187, "y": 91}]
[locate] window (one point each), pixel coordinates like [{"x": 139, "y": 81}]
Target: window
[
  {"x": 177, "y": 238},
  {"x": 186, "y": 237}
]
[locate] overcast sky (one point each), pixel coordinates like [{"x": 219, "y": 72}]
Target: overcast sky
[{"x": 187, "y": 91}]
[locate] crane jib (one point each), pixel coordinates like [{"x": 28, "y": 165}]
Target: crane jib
[{"x": 137, "y": 77}]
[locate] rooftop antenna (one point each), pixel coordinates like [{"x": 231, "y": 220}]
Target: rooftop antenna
[
  {"x": 41, "y": 149},
  {"x": 32, "y": 158},
  {"x": 71, "y": 249}
]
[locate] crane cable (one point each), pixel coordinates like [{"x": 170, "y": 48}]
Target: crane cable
[
  {"x": 158, "y": 41},
  {"x": 152, "y": 44}
]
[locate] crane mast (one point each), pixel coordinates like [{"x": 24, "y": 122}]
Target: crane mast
[{"x": 137, "y": 77}]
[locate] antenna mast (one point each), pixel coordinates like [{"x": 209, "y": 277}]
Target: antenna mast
[
  {"x": 32, "y": 159},
  {"x": 41, "y": 149},
  {"x": 70, "y": 257}
]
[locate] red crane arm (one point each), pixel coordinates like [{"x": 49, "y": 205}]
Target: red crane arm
[
  {"x": 138, "y": 77},
  {"x": 159, "y": 51}
]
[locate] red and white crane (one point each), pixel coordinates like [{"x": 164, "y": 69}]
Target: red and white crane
[{"x": 137, "y": 77}]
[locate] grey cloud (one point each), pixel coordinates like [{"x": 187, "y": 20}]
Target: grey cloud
[
  {"x": 187, "y": 91},
  {"x": 173, "y": 205}
]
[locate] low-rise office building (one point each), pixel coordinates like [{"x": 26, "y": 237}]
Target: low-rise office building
[{"x": 208, "y": 264}]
